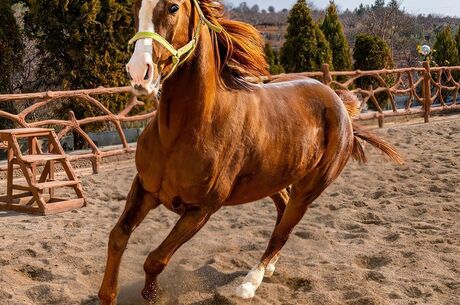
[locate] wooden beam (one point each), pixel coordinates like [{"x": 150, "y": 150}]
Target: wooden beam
[
  {"x": 63, "y": 206},
  {"x": 21, "y": 209},
  {"x": 21, "y": 187}
]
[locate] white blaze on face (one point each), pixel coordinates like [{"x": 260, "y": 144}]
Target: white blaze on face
[{"x": 141, "y": 61}]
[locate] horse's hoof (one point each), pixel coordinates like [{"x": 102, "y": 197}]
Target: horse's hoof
[
  {"x": 245, "y": 291},
  {"x": 150, "y": 293},
  {"x": 107, "y": 300},
  {"x": 269, "y": 271}
]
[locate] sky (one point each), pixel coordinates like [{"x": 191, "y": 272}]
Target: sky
[{"x": 443, "y": 7}]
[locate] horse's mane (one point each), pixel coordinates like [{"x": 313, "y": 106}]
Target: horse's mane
[{"x": 239, "y": 48}]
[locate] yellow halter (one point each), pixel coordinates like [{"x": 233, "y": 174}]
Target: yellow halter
[{"x": 186, "y": 50}]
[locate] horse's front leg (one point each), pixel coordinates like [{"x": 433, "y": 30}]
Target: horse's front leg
[
  {"x": 138, "y": 204},
  {"x": 193, "y": 219}
]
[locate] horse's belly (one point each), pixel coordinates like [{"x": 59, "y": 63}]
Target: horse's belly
[
  {"x": 252, "y": 189},
  {"x": 267, "y": 182}
]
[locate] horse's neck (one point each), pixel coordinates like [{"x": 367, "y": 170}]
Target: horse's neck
[{"x": 188, "y": 97}]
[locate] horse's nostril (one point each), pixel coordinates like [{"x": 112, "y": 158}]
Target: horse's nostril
[
  {"x": 147, "y": 74},
  {"x": 129, "y": 74},
  {"x": 138, "y": 87}
]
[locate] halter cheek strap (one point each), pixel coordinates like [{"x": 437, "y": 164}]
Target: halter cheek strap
[{"x": 181, "y": 55}]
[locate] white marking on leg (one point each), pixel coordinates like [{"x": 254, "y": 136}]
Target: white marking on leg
[
  {"x": 251, "y": 282},
  {"x": 271, "y": 266}
]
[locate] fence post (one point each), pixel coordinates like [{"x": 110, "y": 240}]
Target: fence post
[
  {"x": 96, "y": 163},
  {"x": 427, "y": 91},
  {"x": 379, "y": 114},
  {"x": 327, "y": 78},
  {"x": 380, "y": 119}
]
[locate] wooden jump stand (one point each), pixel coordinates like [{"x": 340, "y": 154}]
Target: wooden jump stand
[{"x": 33, "y": 198}]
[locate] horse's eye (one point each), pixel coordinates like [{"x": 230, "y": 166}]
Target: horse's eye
[{"x": 173, "y": 9}]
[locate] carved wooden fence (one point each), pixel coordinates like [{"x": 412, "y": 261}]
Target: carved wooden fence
[
  {"x": 37, "y": 101},
  {"x": 426, "y": 90}
]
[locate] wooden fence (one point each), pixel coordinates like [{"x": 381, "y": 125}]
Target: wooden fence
[
  {"x": 425, "y": 90},
  {"x": 39, "y": 100}
]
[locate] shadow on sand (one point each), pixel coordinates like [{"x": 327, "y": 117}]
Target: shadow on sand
[{"x": 179, "y": 281}]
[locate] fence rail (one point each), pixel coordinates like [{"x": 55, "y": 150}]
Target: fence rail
[
  {"x": 41, "y": 100},
  {"x": 425, "y": 89},
  {"x": 427, "y": 86}
]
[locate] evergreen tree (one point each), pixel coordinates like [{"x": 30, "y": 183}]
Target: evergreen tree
[
  {"x": 324, "y": 53},
  {"x": 394, "y": 5},
  {"x": 457, "y": 40},
  {"x": 273, "y": 60},
  {"x": 82, "y": 44},
  {"x": 445, "y": 48},
  {"x": 270, "y": 54},
  {"x": 11, "y": 56},
  {"x": 360, "y": 10},
  {"x": 306, "y": 48},
  {"x": 11, "y": 47},
  {"x": 372, "y": 53},
  {"x": 446, "y": 54},
  {"x": 333, "y": 30},
  {"x": 378, "y": 4}
]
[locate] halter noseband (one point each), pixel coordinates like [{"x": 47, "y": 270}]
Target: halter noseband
[{"x": 185, "y": 50}]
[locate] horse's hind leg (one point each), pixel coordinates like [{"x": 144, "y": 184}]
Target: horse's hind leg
[
  {"x": 254, "y": 278},
  {"x": 302, "y": 195},
  {"x": 138, "y": 204},
  {"x": 281, "y": 200}
]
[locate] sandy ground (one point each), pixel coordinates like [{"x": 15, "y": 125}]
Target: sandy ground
[{"x": 382, "y": 234}]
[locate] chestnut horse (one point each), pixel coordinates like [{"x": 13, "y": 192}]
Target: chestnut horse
[{"x": 220, "y": 140}]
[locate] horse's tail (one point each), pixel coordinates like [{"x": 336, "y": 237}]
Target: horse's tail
[
  {"x": 352, "y": 104},
  {"x": 374, "y": 140}
]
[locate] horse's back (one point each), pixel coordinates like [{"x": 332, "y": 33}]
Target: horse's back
[{"x": 309, "y": 98}]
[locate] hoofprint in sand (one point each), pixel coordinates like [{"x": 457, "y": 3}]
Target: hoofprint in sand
[{"x": 382, "y": 234}]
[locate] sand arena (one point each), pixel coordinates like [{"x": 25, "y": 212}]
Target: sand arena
[{"x": 382, "y": 234}]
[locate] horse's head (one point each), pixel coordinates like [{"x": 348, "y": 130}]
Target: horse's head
[
  {"x": 167, "y": 18},
  {"x": 167, "y": 35}
]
